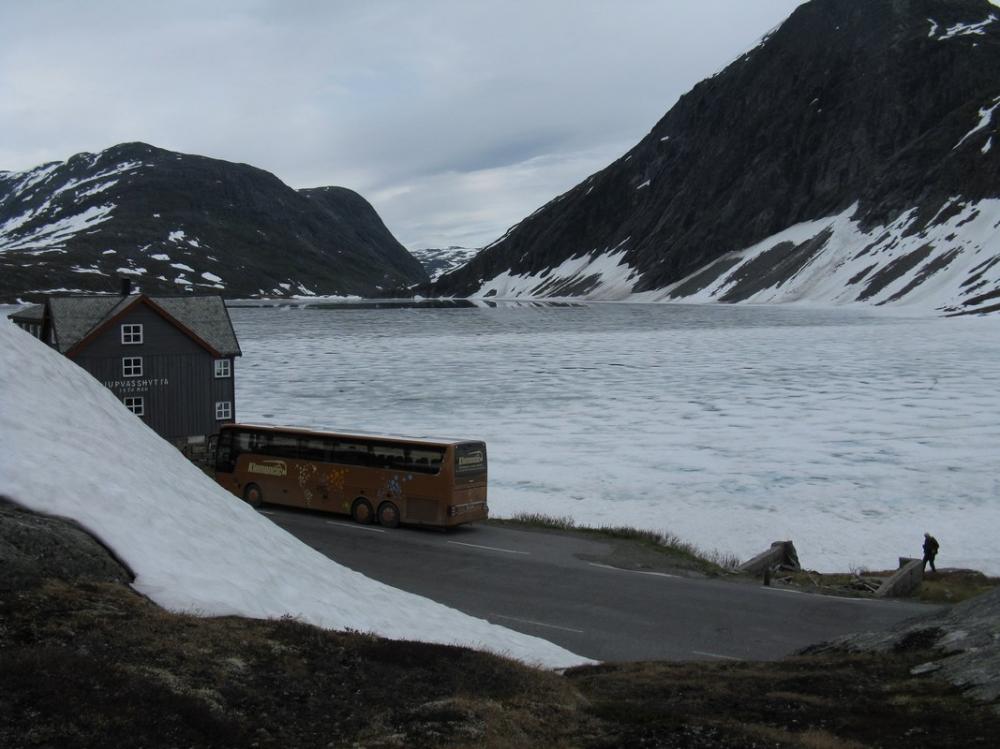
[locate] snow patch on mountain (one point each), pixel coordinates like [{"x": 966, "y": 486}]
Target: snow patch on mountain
[
  {"x": 985, "y": 118},
  {"x": 437, "y": 262},
  {"x": 24, "y": 181},
  {"x": 963, "y": 29},
  {"x": 951, "y": 264},
  {"x": 95, "y": 271},
  {"x": 9, "y": 227},
  {"x": 99, "y": 188},
  {"x": 47, "y": 227},
  {"x": 49, "y": 237},
  {"x": 110, "y": 177},
  {"x": 68, "y": 447},
  {"x": 594, "y": 276}
]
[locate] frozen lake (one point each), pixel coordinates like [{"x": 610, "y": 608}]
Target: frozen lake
[{"x": 848, "y": 432}]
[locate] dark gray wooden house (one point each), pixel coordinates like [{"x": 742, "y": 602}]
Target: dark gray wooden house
[{"x": 169, "y": 359}]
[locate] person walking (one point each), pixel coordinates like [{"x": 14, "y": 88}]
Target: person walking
[{"x": 930, "y": 550}]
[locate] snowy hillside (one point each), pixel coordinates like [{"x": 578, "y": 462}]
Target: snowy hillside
[
  {"x": 853, "y": 156},
  {"x": 68, "y": 447},
  {"x": 176, "y": 223},
  {"x": 47, "y": 226},
  {"x": 951, "y": 264}
]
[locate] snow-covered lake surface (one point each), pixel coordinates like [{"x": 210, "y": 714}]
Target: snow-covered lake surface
[{"x": 849, "y": 432}]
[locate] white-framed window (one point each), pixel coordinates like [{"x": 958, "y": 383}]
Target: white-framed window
[
  {"x": 131, "y": 333},
  {"x": 131, "y": 366},
  {"x": 222, "y": 368},
  {"x": 136, "y": 404},
  {"x": 223, "y": 410}
]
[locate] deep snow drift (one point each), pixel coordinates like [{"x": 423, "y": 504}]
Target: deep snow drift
[{"x": 68, "y": 447}]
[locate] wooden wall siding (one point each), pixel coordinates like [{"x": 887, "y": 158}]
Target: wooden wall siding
[
  {"x": 178, "y": 380},
  {"x": 158, "y": 336}
]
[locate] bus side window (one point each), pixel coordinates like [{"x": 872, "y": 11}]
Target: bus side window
[
  {"x": 259, "y": 442},
  {"x": 389, "y": 456},
  {"x": 284, "y": 446},
  {"x": 241, "y": 443},
  {"x": 425, "y": 460},
  {"x": 311, "y": 448},
  {"x": 225, "y": 460},
  {"x": 350, "y": 453}
]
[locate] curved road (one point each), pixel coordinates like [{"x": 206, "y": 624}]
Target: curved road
[{"x": 535, "y": 582}]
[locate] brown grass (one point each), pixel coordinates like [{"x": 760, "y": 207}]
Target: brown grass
[
  {"x": 955, "y": 586},
  {"x": 947, "y": 586},
  {"x": 95, "y": 665},
  {"x": 667, "y": 544}
]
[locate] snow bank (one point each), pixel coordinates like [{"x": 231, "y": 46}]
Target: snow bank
[{"x": 68, "y": 447}]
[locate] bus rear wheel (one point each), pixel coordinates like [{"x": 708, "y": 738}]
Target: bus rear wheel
[
  {"x": 361, "y": 512},
  {"x": 253, "y": 496},
  {"x": 388, "y": 515}
]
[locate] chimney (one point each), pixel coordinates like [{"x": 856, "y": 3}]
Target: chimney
[{"x": 126, "y": 285}]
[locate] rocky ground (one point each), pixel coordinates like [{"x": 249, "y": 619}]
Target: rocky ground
[{"x": 85, "y": 661}]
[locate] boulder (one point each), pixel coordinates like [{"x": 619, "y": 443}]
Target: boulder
[{"x": 34, "y": 547}]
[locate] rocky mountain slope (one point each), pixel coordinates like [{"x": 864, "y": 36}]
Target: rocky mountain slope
[
  {"x": 175, "y": 223},
  {"x": 852, "y": 156}
]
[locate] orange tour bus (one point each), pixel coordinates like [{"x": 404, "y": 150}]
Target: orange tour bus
[{"x": 431, "y": 482}]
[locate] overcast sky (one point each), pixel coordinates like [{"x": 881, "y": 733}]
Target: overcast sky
[{"x": 454, "y": 118}]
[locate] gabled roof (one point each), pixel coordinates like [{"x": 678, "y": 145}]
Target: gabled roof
[
  {"x": 31, "y": 313},
  {"x": 207, "y": 317},
  {"x": 73, "y": 317},
  {"x": 77, "y": 319}
]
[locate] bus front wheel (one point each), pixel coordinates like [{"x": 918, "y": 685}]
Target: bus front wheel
[
  {"x": 388, "y": 515},
  {"x": 253, "y": 495},
  {"x": 361, "y": 511}
]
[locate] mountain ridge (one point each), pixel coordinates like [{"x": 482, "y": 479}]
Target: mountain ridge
[
  {"x": 179, "y": 222},
  {"x": 885, "y": 105}
]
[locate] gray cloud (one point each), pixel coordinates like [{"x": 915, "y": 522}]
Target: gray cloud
[{"x": 455, "y": 119}]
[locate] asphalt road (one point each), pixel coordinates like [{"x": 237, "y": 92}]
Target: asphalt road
[{"x": 535, "y": 582}]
